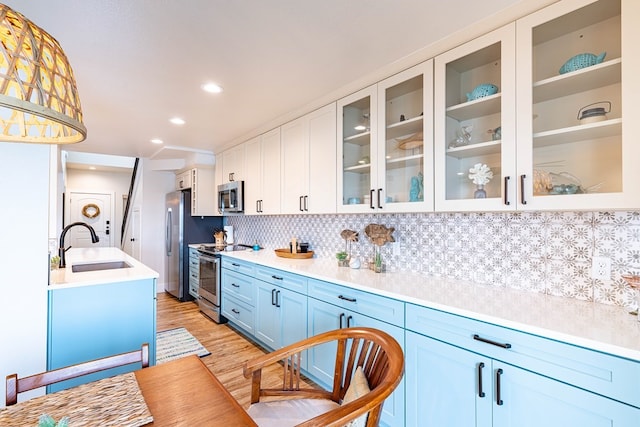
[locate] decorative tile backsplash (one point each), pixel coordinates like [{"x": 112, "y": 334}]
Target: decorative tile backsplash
[{"x": 546, "y": 252}]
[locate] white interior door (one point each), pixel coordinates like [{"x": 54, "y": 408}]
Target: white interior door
[
  {"x": 94, "y": 209},
  {"x": 135, "y": 233}
]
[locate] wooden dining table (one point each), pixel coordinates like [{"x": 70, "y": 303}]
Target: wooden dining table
[{"x": 184, "y": 392}]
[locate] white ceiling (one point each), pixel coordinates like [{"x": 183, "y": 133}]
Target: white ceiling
[{"x": 139, "y": 62}]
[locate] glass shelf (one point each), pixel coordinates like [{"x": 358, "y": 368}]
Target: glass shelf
[
  {"x": 364, "y": 168},
  {"x": 404, "y": 128},
  {"x": 475, "y": 150},
  {"x": 571, "y": 134},
  {"x": 600, "y": 75},
  {"x": 395, "y": 163},
  {"x": 476, "y": 108},
  {"x": 359, "y": 138},
  {"x": 405, "y": 161}
]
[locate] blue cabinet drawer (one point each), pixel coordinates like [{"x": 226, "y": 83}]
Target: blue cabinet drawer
[
  {"x": 238, "y": 266},
  {"x": 238, "y": 313},
  {"x": 598, "y": 372},
  {"x": 238, "y": 286},
  {"x": 194, "y": 257},
  {"x": 194, "y": 274},
  {"x": 382, "y": 308},
  {"x": 283, "y": 279}
]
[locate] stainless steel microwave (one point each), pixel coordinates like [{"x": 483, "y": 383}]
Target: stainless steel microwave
[{"x": 231, "y": 197}]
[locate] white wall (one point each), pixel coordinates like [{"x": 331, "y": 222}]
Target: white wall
[
  {"x": 24, "y": 263},
  {"x": 150, "y": 198}
]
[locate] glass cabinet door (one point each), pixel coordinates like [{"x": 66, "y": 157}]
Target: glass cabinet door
[
  {"x": 406, "y": 141},
  {"x": 357, "y": 118},
  {"x": 475, "y": 124},
  {"x": 570, "y": 123}
]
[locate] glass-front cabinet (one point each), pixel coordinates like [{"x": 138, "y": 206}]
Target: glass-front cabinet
[
  {"x": 575, "y": 88},
  {"x": 385, "y": 145},
  {"x": 356, "y": 151},
  {"x": 475, "y": 145}
]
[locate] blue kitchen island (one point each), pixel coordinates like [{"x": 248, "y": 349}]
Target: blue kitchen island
[{"x": 108, "y": 308}]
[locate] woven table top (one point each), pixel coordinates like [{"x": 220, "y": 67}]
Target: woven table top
[{"x": 115, "y": 401}]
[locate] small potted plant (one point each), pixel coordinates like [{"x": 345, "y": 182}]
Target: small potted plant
[
  {"x": 55, "y": 262},
  {"x": 343, "y": 259}
]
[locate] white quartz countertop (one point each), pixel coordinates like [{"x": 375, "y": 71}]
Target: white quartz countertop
[
  {"x": 610, "y": 329},
  {"x": 66, "y": 278}
]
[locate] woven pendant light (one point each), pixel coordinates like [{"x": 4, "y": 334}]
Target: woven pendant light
[{"x": 38, "y": 96}]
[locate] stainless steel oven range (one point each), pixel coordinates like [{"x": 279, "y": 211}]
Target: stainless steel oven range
[{"x": 209, "y": 284}]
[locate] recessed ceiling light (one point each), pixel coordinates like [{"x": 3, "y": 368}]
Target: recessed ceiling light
[
  {"x": 177, "y": 121},
  {"x": 92, "y": 168},
  {"x": 156, "y": 141},
  {"x": 211, "y": 88}
]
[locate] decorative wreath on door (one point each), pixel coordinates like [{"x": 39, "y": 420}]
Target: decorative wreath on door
[{"x": 91, "y": 210}]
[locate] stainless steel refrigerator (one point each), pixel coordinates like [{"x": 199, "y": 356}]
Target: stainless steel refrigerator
[{"x": 182, "y": 229}]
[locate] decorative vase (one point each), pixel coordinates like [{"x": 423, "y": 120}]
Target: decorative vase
[
  {"x": 343, "y": 262},
  {"x": 480, "y": 192},
  {"x": 354, "y": 263},
  {"x": 378, "y": 266}
]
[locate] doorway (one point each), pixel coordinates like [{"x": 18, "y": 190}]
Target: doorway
[{"x": 94, "y": 209}]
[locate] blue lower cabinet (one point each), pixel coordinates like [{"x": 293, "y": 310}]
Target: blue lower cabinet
[
  {"x": 531, "y": 400},
  {"x": 320, "y": 364},
  {"x": 281, "y": 316},
  {"x": 446, "y": 385},
  {"x": 94, "y": 321},
  {"x": 459, "y": 372}
]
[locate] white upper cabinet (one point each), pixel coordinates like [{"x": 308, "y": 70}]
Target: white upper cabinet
[
  {"x": 475, "y": 96},
  {"x": 203, "y": 192},
  {"x": 385, "y": 145},
  {"x": 253, "y": 185},
  {"x": 308, "y": 163},
  {"x": 262, "y": 174},
  {"x": 576, "y": 148},
  {"x": 233, "y": 164},
  {"x": 539, "y": 103},
  {"x": 183, "y": 180},
  {"x": 201, "y": 181}
]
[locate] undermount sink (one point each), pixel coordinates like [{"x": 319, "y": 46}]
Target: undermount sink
[{"x": 97, "y": 266}]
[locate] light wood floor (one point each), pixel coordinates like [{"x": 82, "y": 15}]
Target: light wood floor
[{"x": 229, "y": 350}]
